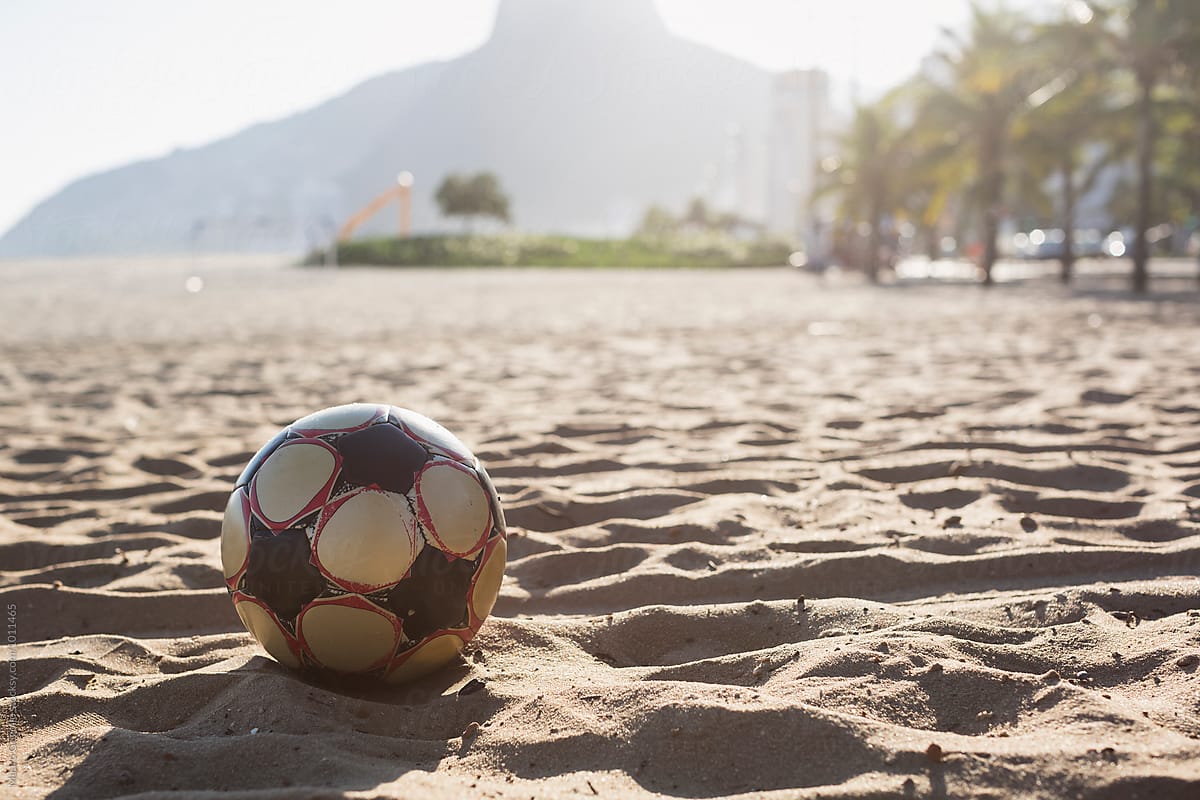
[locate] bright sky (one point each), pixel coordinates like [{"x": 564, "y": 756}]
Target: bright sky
[{"x": 86, "y": 86}]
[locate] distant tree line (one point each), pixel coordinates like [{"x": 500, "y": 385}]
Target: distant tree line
[
  {"x": 1016, "y": 100},
  {"x": 658, "y": 222}
]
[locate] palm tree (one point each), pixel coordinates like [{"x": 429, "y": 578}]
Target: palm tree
[
  {"x": 929, "y": 174},
  {"x": 1152, "y": 39},
  {"x": 976, "y": 91},
  {"x": 863, "y": 175},
  {"x": 1179, "y": 157},
  {"x": 1059, "y": 133}
]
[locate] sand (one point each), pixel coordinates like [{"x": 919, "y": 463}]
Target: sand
[{"x": 770, "y": 536}]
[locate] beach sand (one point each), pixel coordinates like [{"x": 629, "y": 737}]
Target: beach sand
[{"x": 769, "y": 536}]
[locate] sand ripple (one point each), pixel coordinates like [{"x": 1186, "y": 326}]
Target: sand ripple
[{"x": 746, "y": 558}]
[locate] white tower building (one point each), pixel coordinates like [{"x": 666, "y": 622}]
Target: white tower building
[{"x": 800, "y": 118}]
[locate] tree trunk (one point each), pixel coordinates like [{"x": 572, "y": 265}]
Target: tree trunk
[
  {"x": 991, "y": 229},
  {"x": 1068, "y": 255},
  {"x": 991, "y": 196},
  {"x": 874, "y": 239},
  {"x": 1145, "y": 159}
]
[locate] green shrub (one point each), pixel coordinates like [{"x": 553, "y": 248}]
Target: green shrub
[{"x": 527, "y": 250}]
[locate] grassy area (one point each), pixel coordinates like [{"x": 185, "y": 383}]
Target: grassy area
[{"x": 523, "y": 250}]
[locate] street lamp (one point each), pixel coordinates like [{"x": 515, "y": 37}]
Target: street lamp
[{"x": 404, "y": 182}]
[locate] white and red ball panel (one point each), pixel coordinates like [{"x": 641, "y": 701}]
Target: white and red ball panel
[
  {"x": 339, "y": 419},
  {"x": 485, "y": 589},
  {"x": 263, "y": 453},
  {"x": 294, "y": 481},
  {"x": 367, "y": 540},
  {"x": 425, "y": 658},
  {"x": 453, "y": 506},
  {"x": 262, "y": 623},
  {"x": 348, "y": 634},
  {"x": 235, "y": 536},
  {"x": 432, "y": 435},
  {"x": 493, "y": 497}
]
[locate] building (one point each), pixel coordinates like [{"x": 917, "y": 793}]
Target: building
[{"x": 797, "y": 139}]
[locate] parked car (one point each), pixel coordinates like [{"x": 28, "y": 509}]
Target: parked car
[
  {"x": 1089, "y": 243},
  {"x": 1048, "y": 243},
  {"x": 1114, "y": 244}
]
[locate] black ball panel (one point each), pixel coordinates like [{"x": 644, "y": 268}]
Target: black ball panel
[
  {"x": 280, "y": 572},
  {"x": 434, "y": 594},
  {"x": 381, "y": 455}
]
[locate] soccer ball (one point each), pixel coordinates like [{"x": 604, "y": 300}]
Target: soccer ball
[{"x": 364, "y": 540}]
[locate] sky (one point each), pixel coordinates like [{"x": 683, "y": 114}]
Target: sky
[{"x": 87, "y": 86}]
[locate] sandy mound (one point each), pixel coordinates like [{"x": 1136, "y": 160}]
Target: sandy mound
[{"x": 769, "y": 536}]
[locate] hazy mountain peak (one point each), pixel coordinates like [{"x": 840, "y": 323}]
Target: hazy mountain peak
[
  {"x": 589, "y": 111},
  {"x": 531, "y": 21}
]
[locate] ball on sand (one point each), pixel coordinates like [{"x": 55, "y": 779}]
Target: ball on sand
[{"x": 364, "y": 540}]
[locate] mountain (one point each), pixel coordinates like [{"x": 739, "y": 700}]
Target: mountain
[{"x": 589, "y": 111}]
